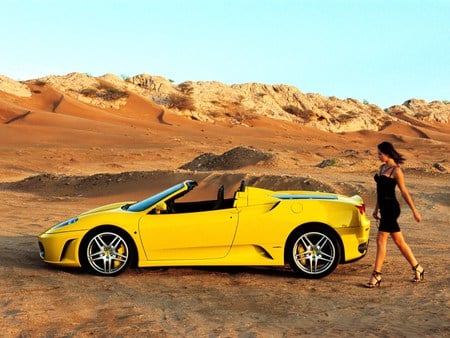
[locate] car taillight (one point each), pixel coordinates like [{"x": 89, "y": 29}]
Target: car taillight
[{"x": 361, "y": 208}]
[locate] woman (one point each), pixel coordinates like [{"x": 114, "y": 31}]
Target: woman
[{"x": 390, "y": 175}]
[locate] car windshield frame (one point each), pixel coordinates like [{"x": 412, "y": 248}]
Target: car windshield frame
[{"x": 152, "y": 200}]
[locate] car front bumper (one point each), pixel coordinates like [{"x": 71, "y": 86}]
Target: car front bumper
[{"x": 60, "y": 248}]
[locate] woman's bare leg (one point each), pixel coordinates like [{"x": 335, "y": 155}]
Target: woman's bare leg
[
  {"x": 399, "y": 240},
  {"x": 382, "y": 238}
]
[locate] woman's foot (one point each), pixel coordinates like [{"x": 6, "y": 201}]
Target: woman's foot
[
  {"x": 375, "y": 280},
  {"x": 418, "y": 273}
]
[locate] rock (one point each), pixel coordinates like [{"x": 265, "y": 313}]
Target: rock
[
  {"x": 435, "y": 111},
  {"x": 85, "y": 88},
  {"x": 439, "y": 167},
  {"x": 10, "y": 86},
  {"x": 328, "y": 163}
]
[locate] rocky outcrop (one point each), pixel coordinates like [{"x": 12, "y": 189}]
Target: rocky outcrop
[
  {"x": 87, "y": 89},
  {"x": 241, "y": 104},
  {"x": 435, "y": 111},
  {"x": 330, "y": 114},
  {"x": 154, "y": 86},
  {"x": 10, "y": 86}
]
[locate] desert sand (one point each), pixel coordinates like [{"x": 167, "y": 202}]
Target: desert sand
[{"x": 54, "y": 165}]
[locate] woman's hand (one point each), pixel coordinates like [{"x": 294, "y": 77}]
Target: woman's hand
[
  {"x": 375, "y": 214},
  {"x": 417, "y": 216}
]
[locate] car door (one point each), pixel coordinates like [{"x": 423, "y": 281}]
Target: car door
[{"x": 188, "y": 236}]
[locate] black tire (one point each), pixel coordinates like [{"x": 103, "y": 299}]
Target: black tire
[
  {"x": 313, "y": 252},
  {"x": 106, "y": 252}
]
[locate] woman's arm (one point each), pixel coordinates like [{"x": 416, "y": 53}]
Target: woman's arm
[
  {"x": 400, "y": 178},
  {"x": 375, "y": 212}
]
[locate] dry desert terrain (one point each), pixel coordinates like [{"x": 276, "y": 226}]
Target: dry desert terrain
[{"x": 56, "y": 163}]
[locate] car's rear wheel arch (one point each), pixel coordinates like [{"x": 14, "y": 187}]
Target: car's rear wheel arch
[
  {"x": 316, "y": 229},
  {"x": 315, "y": 226},
  {"x": 112, "y": 229}
]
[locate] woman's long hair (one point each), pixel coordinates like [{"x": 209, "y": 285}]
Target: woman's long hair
[{"x": 388, "y": 149}]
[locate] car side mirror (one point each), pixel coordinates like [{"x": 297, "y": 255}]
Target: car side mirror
[{"x": 160, "y": 207}]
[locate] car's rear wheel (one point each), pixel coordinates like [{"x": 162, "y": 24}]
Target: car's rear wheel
[
  {"x": 106, "y": 252},
  {"x": 313, "y": 253}
]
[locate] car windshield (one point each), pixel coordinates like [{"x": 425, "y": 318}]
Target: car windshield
[{"x": 145, "y": 204}]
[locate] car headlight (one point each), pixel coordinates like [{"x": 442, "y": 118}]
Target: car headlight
[{"x": 66, "y": 223}]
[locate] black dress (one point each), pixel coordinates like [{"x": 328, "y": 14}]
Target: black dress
[{"x": 387, "y": 202}]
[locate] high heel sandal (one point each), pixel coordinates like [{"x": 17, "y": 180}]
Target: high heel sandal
[
  {"x": 419, "y": 273},
  {"x": 375, "y": 280}
]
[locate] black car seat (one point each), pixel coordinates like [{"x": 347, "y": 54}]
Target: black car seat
[{"x": 220, "y": 197}]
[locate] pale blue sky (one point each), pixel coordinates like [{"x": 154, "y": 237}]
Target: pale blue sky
[{"x": 382, "y": 51}]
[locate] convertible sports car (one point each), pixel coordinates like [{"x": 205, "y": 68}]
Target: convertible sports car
[{"x": 312, "y": 231}]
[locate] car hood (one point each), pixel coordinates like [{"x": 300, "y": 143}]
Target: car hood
[{"x": 107, "y": 207}]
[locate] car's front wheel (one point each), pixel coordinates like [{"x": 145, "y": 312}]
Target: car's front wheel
[
  {"x": 106, "y": 252},
  {"x": 313, "y": 253}
]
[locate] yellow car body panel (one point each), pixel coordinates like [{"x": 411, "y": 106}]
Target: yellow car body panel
[
  {"x": 257, "y": 227},
  {"x": 201, "y": 235}
]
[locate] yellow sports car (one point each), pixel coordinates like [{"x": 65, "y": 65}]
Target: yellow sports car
[{"x": 312, "y": 231}]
